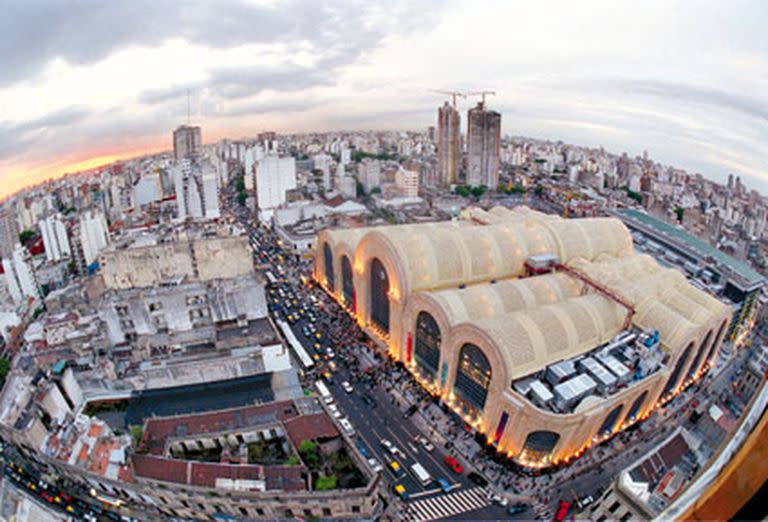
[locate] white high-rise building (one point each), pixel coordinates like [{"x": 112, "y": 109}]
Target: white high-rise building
[
  {"x": 19, "y": 276},
  {"x": 11, "y": 281},
  {"x": 345, "y": 155},
  {"x": 370, "y": 176},
  {"x": 193, "y": 198},
  {"x": 250, "y": 156},
  {"x": 93, "y": 235},
  {"x": 55, "y": 238},
  {"x": 197, "y": 191},
  {"x": 147, "y": 190},
  {"x": 210, "y": 193},
  {"x": 272, "y": 178},
  {"x": 323, "y": 163}
]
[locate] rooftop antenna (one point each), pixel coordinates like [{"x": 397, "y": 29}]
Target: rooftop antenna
[{"x": 188, "y": 109}]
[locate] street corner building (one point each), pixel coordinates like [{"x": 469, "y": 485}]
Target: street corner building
[{"x": 546, "y": 335}]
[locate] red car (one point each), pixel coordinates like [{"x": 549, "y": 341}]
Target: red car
[
  {"x": 453, "y": 464},
  {"x": 562, "y": 511}
]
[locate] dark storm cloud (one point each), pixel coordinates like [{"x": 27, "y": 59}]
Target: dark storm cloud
[
  {"x": 675, "y": 91},
  {"x": 17, "y": 137},
  {"x": 232, "y": 84},
  {"x": 34, "y": 32},
  {"x": 251, "y": 109}
]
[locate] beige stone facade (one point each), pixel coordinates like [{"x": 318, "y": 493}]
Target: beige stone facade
[
  {"x": 183, "y": 260},
  {"x": 470, "y": 280}
]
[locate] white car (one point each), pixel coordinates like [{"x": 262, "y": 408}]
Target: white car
[
  {"x": 334, "y": 411},
  {"x": 348, "y": 428},
  {"x": 497, "y": 499},
  {"x": 347, "y": 387},
  {"x": 390, "y": 447},
  {"x": 425, "y": 443},
  {"x": 375, "y": 465}
]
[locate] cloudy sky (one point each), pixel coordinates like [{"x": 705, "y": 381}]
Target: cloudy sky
[{"x": 83, "y": 82}]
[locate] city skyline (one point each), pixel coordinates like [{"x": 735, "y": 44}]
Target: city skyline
[{"x": 689, "y": 94}]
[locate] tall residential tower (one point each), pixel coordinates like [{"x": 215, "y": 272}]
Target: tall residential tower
[
  {"x": 483, "y": 142},
  {"x": 187, "y": 142},
  {"x": 448, "y": 144}
]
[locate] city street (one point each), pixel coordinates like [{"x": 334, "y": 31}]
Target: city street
[
  {"x": 376, "y": 408},
  {"x": 333, "y": 340}
]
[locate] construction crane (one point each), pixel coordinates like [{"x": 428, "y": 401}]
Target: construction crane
[
  {"x": 482, "y": 94},
  {"x": 452, "y": 94}
]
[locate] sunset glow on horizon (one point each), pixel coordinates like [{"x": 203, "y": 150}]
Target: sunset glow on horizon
[
  {"x": 35, "y": 176},
  {"x": 65, "y": 95}
]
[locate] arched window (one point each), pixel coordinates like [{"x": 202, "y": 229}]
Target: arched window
[
  {"x": 718, "y": 339},
  {"x": 472, "y": 379},
  {"x": 539, "y": 445},
  {"x": 347, "y": 286},
  {"x": 610, "y": 421},
  {"x": 427, "y": 349},
  {"x": 635, "y": 409},
  {"x": 328, "y": 256},
  {"x": 379, "y": 295},
  {"x": 672, "y": 382},
  {"x": 699, "y": 355}
]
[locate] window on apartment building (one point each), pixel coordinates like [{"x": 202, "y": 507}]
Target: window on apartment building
[{"x": 614, "y": 507}]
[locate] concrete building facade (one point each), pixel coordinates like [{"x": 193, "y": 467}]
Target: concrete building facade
[
  {"x": 448, "y": 144},
  {"x": 9, "y": 231},
  {"x": 483, "y": 144},
  {"x": 408, "y": 182},
  {"x": 187, "y": 141},
  {"x": 168, "y": 263}
]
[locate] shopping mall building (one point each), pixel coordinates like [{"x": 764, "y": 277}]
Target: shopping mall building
[{"x": 546, "y": 335}]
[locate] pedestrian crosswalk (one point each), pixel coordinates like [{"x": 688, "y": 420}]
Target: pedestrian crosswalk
[{"x": 444, "y": 506}]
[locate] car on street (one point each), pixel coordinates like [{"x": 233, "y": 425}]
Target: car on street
[
  {"x": 396, "y": 469},
  {"x": 390, "y": 447},
  {"x": 347, "y": 387},
  {"x": 517, "y": 509},
  {"x": 375, "y": 465},
  {"x": 425, "y": 443},
  {"x": 401, "y": 492},
  {"x": 348, "y": 428},
  {"x": 562, "y": 511},
  {"x": 453, "y": 464},
  {"x": 444, "y": 485},
  {"x": 477, "y": 479},
  {"x": 498, "y": 499},
  {"x": 584, "y": 501},
  {"x": 363, "y": 450},
  {"x": 334, "y": 411}
]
